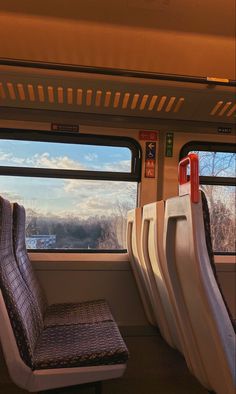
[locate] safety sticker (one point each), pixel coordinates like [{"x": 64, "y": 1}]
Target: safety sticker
[
  {"x": 150, "y": 150},
  {"x": 150, "y": 159}
]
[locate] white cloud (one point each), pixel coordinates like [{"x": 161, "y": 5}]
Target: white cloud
[
  {"x": 122, "y": 166},
  {"x": 46, "y": 161},
  {"x": 42, "y": 161},
  {"x": 90, "y": 156},
  {"x": 10, "y": 158},
  {"x": 78, "y": 198},
  {"x": 99, "y": 198}
]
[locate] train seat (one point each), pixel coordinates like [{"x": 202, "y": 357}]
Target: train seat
[
  {"x": 208, "y": 332},
  {"x": 93, "y": 311},
  {"x": 134, "y": 220},
  {"x": 40, "y": 358},
  {"x": 153, "y": 256}
]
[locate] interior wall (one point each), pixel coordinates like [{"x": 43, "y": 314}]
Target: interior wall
[{"x": 87, "y": 276}]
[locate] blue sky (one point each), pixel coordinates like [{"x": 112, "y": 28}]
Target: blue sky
[
  {"x": 65, "y": 197},
  {"x": 27, "y": 153}
]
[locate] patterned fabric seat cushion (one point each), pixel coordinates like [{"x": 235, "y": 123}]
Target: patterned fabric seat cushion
[
  {"x": 78, "y": 346},
  {"x": 88, "y": 312}
]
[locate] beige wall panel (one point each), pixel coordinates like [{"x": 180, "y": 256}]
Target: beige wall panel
[
  {"x": 228, "y": 284},
  {"x": 116, "y": 286}
]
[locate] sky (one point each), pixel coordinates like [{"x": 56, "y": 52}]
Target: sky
[
  {"x": 83, "y": 198},
  {"x": 67, "y": 197},
  {"x": 66, "y": 156}
]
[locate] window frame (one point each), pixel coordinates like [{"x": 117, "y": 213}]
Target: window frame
[
  {"x": 211, "y": 180},
  {"x": 75, "y": 138}
]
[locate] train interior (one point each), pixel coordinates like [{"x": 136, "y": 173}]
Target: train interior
[{"x": 117, "y": 197}]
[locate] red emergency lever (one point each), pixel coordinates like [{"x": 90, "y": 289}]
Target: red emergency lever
[{"x": 192, "y": 186}]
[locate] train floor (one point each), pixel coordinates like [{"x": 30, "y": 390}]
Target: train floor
[{"x": 153, "y": 368}]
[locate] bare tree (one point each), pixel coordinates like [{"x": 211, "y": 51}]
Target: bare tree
[{"x": 221, "y": 199}]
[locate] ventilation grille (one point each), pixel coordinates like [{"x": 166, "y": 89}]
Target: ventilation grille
[
  {"x": 222, "y": 108},
  {"x": 89, "y": 97},
  {"x": 115, "y": 96}
]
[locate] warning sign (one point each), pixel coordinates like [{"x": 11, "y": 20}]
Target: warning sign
[{"x": 150, "y": 159}]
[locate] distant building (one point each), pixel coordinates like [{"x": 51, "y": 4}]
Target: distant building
[{"x": 41, "y": 241}]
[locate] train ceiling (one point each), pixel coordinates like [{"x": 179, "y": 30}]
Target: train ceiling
[
  {"x": 150, "y": 36},
  {"x": 182, "y": 37}
]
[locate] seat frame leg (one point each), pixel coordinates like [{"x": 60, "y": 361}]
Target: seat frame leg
[{"x": 98, "y": 388}]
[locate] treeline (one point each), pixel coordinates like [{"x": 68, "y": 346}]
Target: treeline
[
  {"x": 223, "y": 227},
  {"x": 75, "y": 233}
]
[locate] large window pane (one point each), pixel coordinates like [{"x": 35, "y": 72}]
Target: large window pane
[
  {"x": 36, "y": 154},
  {"x": 221, "y": 201},
  {"x": 217, "y": 164},
  {"x": 71, "y": 213},
  {"x": 217, "y": 168}
]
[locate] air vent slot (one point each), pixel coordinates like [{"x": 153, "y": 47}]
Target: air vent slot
[
  {"x": 98, "y": 98},
  {"x": 31, "y": 93},
  {"x": 223, "y": 109},
  {"x": 21, "y": 91},
  {"x": 116, "y": 100},
  {"x": 152, "y": 103},
  {"x": 161, "y": 103},
  {"x": 89, "y": 96},
  {"x": 232, "y": 111},
  {"x": 69, "y": 96},
  {"x": 170, "y": 104},
  {"x": 134, "y": 101},
  {"x": 79, "y": 96},
  {"x": 179, "y": 105},
  {"x": 41, "y": 93},
  {"x": 11, "y": 91},
  {"x": 50, "y": 94},
  {"x": 143, "y": 102},
  {"x": 60, "y": 95},
  {"x": 125, "y": 100},
  {"x": 107, "y": 99}
]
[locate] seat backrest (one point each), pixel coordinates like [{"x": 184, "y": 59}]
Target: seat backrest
[
  {"x": 209, "y": 336},
  {"x": 23, "y": 313},
  {"x": 207, "y": 226},
  {"x": 153, "y": 255},
  {"x": 134, "y": 220},
  {"x": 22, "y": 258}
]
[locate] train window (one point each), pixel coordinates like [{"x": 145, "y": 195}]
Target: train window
[
  {"x": 67, "y": 156},
  {"x": 76, "y": 189},
  {"x": 217, "y": 179}
]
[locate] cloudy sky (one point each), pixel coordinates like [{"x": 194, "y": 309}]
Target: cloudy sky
[{"x": 67, "y": 197}]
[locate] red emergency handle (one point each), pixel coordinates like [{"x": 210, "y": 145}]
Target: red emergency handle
[{"x": 192, "y": 186}]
